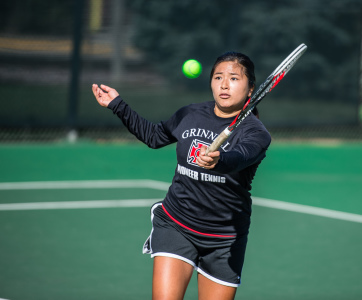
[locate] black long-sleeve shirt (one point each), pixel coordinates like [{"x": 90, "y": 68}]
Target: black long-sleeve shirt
[{"x": 213, "y": 201}]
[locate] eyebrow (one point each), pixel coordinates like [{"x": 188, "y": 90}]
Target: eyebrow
[{"x": 229, "y": 73}]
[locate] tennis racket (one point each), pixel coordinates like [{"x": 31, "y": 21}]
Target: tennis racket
[{"x": 270, "y": 83}]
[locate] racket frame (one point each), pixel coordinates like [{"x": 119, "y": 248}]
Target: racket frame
[{"x": 270, "y": 83}]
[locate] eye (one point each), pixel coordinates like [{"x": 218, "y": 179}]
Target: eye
[
  {"x": 234, "y": 78},
  {"x": 217, "y": 77}
]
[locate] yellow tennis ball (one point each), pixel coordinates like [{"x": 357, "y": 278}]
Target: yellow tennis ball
[{"x": 191, "y": 68}]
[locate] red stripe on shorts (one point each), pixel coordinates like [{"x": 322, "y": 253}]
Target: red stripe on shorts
[{"x": 198, "y": 232}]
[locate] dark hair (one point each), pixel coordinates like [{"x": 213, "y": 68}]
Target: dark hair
[
  {"x": 241, "y": 59},
  {"x": 244, "y": 61}
]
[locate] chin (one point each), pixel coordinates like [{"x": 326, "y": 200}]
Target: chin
[
  {"x": 228, "y": 106},
  {"x": 225, "y": 104}
]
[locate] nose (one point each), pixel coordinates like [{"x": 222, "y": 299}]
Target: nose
[{"x": 224, "y": 84}]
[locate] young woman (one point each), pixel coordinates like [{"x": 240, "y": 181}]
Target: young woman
[{"x": 204, "y": 220}]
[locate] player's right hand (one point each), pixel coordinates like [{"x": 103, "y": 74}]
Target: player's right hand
[
  {"x": 207, "y": 161},
  {"x": 104, "y": 94}
]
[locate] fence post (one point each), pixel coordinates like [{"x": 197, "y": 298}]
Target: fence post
[
  {"x": 75, "y": 70},
  {"x": 118, "y": 41}
]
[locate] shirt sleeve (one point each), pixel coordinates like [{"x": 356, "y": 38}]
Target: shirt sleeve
[
  {"x": 153, "y": 135},
  {"x": 249, "y": 151}
]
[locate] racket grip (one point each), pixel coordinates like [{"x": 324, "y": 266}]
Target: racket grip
[{"x": 218, "y": 141}]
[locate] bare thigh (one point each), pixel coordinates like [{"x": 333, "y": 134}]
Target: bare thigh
[
  {"x": 210, "y": 290},
  {"x": 171, "y": 277}
]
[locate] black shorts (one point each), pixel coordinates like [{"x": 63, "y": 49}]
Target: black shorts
[{"x": 220, "y": 259}]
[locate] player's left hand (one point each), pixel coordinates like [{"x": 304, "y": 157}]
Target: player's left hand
[{"x": 207, "y": 161}]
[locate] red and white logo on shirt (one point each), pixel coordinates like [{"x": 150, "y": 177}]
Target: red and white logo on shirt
[{"x": 195, "y": 150}]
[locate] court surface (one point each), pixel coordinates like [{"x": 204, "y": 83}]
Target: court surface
[{"x": 73, "y": 219}]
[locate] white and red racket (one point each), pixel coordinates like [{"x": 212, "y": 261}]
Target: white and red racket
[{"x": 270, "y": 83}]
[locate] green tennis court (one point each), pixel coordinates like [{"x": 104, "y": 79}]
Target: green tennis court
[{"x": 73, "y": 219}]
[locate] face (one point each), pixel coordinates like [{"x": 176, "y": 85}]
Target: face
[{"x": 230, "y": 88}]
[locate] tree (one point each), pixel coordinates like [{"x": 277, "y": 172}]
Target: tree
[
  {"x": 169, "y": 32},
  {"x": 36, "y": 17}
]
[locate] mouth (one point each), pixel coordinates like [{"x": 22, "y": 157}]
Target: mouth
[{"x": 224, "y": 96}]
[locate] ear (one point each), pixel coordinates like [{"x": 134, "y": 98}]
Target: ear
[{"x": 251, "y": 91}]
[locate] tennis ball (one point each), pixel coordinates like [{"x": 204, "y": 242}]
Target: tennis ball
[{"x": 191, "y": 68}]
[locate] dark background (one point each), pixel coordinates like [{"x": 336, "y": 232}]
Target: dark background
[{"x": 52, "y": 52}]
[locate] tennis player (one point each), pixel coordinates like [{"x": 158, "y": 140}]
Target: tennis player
[{"x": 203, "y": 222}]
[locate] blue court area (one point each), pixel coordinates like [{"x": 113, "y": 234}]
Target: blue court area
[{"x": 73, "y": 219}]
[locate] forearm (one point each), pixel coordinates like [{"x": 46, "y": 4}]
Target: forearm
[
  {"x": 235, "y": 161},
  {"x": 153, "y": 135}
]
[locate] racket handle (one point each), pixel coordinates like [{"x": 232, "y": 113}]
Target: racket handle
[{"x": 218, "y": 141}]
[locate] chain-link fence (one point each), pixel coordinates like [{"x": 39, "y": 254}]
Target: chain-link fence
[{"x": 52, "y": 52}]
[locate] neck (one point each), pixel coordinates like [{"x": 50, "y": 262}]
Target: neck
[{"x": 225, "y": 114}]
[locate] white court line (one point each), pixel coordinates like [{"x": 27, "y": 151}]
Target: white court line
[
  {"x": 85, "y": 184},
  {"x": 305, "y": 209},
  {"x": 79, "y": 204},
  {"x": 153, "y": 184},
  {"x": 322, "y": 212}
]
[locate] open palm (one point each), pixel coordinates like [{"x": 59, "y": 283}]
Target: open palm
[{"x": 104, "y": 94}]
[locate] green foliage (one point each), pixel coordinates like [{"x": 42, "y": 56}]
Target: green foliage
[
  {"x": 36, "y": 17},
  {"x": 169, "y": 32}
]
